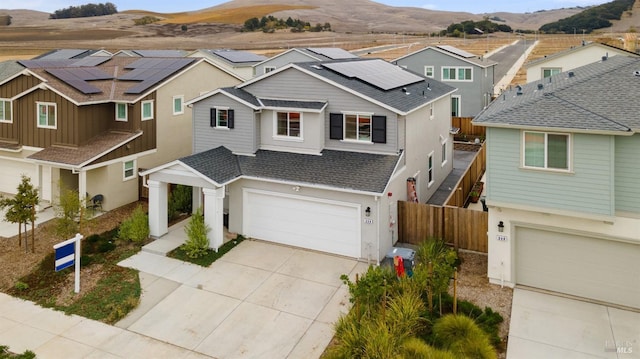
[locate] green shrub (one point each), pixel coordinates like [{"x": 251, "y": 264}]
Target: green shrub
[
  {"x": 461, "y": 335},
  {"x": 367, "y": 292},
  {"x": 145, "y": 20},
  {"x": 416, "y": 348},
  {"x": 136, "y": 227},
  {"x": 404, "y": 313},
  {"x": 197, "y": 245},
  {"x": 477, "y": 347},
  {"x": 180, "y": 201},
  {"x": 4, "y": 353},
  {"x": 21, "y": 285}
]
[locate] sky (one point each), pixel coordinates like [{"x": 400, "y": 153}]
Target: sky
[{"x": 472, "y": 6}]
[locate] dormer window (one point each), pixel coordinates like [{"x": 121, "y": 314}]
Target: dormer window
[{"x": 289, "y": 124}]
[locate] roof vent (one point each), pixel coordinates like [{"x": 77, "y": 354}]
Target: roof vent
[
  {"x": 636, "y": 73},
  {"x": 571, "y": 74},
  {"x": 540, "y": 86},
  {"x": 404, "y": 89},
  {"x": 317, "y": 67}
]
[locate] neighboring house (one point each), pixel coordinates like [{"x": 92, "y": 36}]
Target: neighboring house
[
  {"x": 67, "y": 54},
  {"x": 238, "y": 62},
  {"x": 314, "y": 155},
  {"x": 90, "y": 123},
  {"x": 151, "y": 53},
  {"x": 570, "y": 59},
  {"x": 309, "y": 54},
  {"x": 562, "y": 183},
  {"x": 472, "y": 75}
]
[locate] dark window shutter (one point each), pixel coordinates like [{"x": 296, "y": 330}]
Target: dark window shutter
[
  {"x": 335, "y": 126},
  {"x": 379, "y": 129},
  {"x": 230, "y": 118},
  {"x": 212, "y": 118}
]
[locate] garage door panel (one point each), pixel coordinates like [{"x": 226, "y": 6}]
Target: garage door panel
[
  {"x": 588, "y": 267},
  {"x": 11, "y": 173},
  {"x": 304, "y": 222}
]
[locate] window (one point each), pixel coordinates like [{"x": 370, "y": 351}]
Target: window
[
  {"x": 46, "y": 115},
  {"x": 455, "y": 106},
  {"x": 358, "y": 127},
  {"x": 444, "y": 152},
  {"x": 121, "y": 112},
  {"x": 5, "y": 111},
  {"x": 129, "y": 170},
  {"x": 430, "y": 170},
  {"x": 550, "y": 72},
  {"x": 546, "y": 150},
  {"x": 147, "y": 110},
  {"x": 178, "y": 107},
  {"x": 269, "y": 69},
  {"x": 457, "y": 73},
  {"x": 221, "y": 118},
  {"x": 428, "y": 71},
  {"x": 288, "y": 124}
]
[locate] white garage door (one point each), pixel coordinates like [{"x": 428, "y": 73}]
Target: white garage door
[
  {"x": 299, "y": 221},
  {"x": 588, "y": 267},
  {"x": 11, "y": 172}
]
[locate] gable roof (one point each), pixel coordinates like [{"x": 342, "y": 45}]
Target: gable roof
[
  {"x": 343, "y": 170},
  {"x": 401, "y": 99},
  {"x": 455, "y": 53},
  {"x": 233, "y": 57},
  {"x": 66, "y": 54},
  {"x": 316, "y": 54},
  {"x": 575, "y": 49},
  {"x": 9, "y": 70},
  {"x": 596, "y": 98}
]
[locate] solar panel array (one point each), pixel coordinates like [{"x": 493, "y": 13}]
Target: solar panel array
[
  {"x": 77, "y": 77},
  {"x": 378, "y": 73},
  {"x": 62, "y": 54},
  {"x": 90, "y": 61},
  {"x": 334, "y": 53},
  {"x": 455, "y": 50},
  {"x": 238, "y": 56},
  {"x": 39, "y": 64},
  {"x": 151, "y": 71},
  {"x": 161, "y": 53}
]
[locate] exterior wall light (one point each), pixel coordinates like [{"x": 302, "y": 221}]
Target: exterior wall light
[
  {"x": 367, "y": 212},
  {"x": 500, "y": 226}
]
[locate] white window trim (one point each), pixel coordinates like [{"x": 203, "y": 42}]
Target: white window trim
[
  {"x": 283, "y": 137},
  {"x": 543, "y": 69},
  {"x": 126, "y": 112},
  {"x": 433, "y": 71},
  {"x": 459, "y": 103},
  {"x": 457, "y": 79},
  {"x": 344, "y": 127},
  {"x": 218, "y": 125},
  {"x": 173, "y": 104},
  {"x": 55, "y": 119},
  {"x": 268, "y": 69},
  {"x": 142, "y": 118},
  {"x": 430, "y": 170},
  {"x": 569, "y": 168},
  {"x": 10, "y": 119},
  {"x": 124, "y": 170},
  {"x": 443, "y": 148}
]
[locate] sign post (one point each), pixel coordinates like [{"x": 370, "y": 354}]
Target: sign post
[{"x": 68, "y": 254}]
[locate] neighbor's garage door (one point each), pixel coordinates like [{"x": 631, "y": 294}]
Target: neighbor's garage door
[
  {"x": 306, "y": 222},
  {"x": 588, "y": 267},
  {"x": 10, "y": 173}
]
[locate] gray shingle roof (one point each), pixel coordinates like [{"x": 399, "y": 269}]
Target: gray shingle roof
[
  {"x": 415, "y": 96},
  {"x": 311, "y": 105},
  {"x": 242, "y": 94},
  {"x": 598, "y": 97},
  {"x": 338, "y": 169},
  {"x": 9, "y": 69}
]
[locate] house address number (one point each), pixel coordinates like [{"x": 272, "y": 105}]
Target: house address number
[
  {"x": 368, "y": 221},
  {"x": 502, "y": 238}
]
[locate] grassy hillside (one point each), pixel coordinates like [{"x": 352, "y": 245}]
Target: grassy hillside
[
  {"x": 236, "y": 15},
  {"x": 596, "y": 17}
]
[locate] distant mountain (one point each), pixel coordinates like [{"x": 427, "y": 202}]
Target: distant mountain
[{"x": 596, "y": 17}]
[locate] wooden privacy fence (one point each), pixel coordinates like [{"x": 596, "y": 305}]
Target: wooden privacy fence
[
  {"x": 467, "y": 128},
  {"x": 463, "y": 228},
  {"x": 473, "y": 174}
]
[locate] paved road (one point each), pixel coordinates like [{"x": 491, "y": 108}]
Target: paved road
[{"x": 508, "y": 56}]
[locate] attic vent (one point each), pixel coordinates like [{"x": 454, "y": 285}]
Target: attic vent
[
  {"x": 540, "y": 86},
  {"x": 636, "y": 73},
  {"x": 571, "y": 74}
]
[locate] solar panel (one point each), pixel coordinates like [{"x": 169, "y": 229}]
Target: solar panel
[
  {"x": 456, "y": 51},
  {"x": 378, "y": 73},
  {"x": 238, "y": 56},
  {"x": 161, "y": 53},
  {"x": 334, "y": 53},
  {"x": 74, "y": 79},
  {"x": 90, "y": 61},
  {"x": 38, "y": 64},
  {"x": 62, "y": 54}
]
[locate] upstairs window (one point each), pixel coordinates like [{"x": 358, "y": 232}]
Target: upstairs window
[
  {"x": 550, "y": 72},
  {"x": 5, "y": 111},
  {"x": 429, "y": 71},
  {"x": 457, "y": 73},
  {"x": 221, "y": 118},
  {"x": 289, "y": 124},
  {"x": 358, "y": 127},
  {"x": 546, "y": 150},
  {"x": 430, "y": 178},
  {"x": 47, "y": 117},
  {"x": 147, "y": 110},
  {"x": 269, "y": 69},
  {"x": 178, "y": 105},
  {"x": 121, "y": 112}
]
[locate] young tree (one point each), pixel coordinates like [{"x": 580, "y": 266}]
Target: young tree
[
  {"x": 197, "y": 243},
  {"x": 70, "y": 211},
  {"x": 21, "y": 209}
]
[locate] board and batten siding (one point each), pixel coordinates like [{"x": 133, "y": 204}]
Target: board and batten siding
[
  {"x": 588, "y": 189},
  {"x": 472, "y": 93},
  {"x": 293, "y": 84},
  {"x": 627, "y": 173},
  {"x": 239, "y": 139}
]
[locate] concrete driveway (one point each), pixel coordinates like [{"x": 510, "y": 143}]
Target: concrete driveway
[
  {"x": 550, "y": 326},
  {"x": 260, "y": 300}
]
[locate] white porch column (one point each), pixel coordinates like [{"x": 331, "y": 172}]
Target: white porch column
[
  {"x": 213, "y": 215},
  {"x": 158, "y": 201},
  {"x": 196, "y": 200},
  {"x": 82, "y": 185}
]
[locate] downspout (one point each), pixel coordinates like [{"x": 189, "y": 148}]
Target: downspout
[{"x": 377, "y": 230}]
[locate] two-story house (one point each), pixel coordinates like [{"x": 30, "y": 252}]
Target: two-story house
[
  {"x": 314, "y": 155},
  {"x": 90, "y": 123},
  {"x": 472, "y": 75},
  {"x": 562, "y": 183},
  {"x": 239, "y": 62},
  {"x": 301, "y": 54},
  {"x": 570, "y": 59}
]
